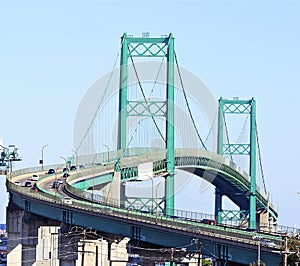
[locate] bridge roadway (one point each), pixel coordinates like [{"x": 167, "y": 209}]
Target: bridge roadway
[
  {"x": 232, "y": 180},
  {"x": 159, "y": 230}
]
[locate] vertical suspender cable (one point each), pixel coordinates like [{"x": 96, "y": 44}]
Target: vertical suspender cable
[
  {"x": 227, "y": 136},
  {"x": 188, "y": 106},
  {"x": 100, "y": 103},
  {"x": 145, "y": 99}
]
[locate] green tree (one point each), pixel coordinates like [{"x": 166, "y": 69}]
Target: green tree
[{"x": 294, "y": 246}]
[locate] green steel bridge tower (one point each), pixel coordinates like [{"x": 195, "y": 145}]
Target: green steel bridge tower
[
  {"x": 149, "y": 47},
  {"x": 239, "y": 107}
]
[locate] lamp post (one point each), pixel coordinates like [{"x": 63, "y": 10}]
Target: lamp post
[
  {"x": 66, "y": 161},
  {"x": 42, "y": 161},
  {"x": 156, "y": 204},
  {"x": 152, "y": 192},
  {"x": 93, "y": 185},
  {"x": 258, "y": 238},
  {"x": 107, "y": 152},
  {"x": 55, "y": 180},
  {"x": 76, "y": 158}
]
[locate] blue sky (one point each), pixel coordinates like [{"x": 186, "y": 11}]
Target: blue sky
[{"x": 52, "y": 51}]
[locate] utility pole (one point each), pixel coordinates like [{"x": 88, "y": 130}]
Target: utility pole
[
  {"x": 285, "y": 254},
  {"x": 258, "y": 238},
  {"x": 96, "y": 263},
  {"x": 200, "y": 255},
  {"x": 82, "y": 254},
  {"x": 172, "y": 256}
]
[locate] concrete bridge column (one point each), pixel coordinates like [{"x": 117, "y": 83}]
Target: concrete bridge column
[
  {"x": 266, "y": 223},
  {"x": 14, "y": 229},
  {"x": 113, "y": 192},
  {"x": 47, "y": 247},
  {"x": 22, "y": 231},
  {"x": 118, "y": 252},
  {"x": 93, "y": 252}
]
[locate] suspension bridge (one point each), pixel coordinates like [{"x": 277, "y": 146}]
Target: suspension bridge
[{"x": 148, "y": 122}]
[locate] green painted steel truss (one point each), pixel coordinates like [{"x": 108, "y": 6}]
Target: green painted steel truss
[
  {"x": 147, "y": 47},
  {"x": 129, "y": 173},
  {"x": 236, "y": 149},
  {"x": 237, "y": 107},
  {"x": 150, "y": 108},
  {"x": 159, "y": 166},
  {"x": 234, "y": 215},
  {"x": 150, "y": 205}
]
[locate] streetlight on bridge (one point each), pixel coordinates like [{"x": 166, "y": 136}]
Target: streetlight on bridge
[
  {"x": 156, "y": 204},
  {"x": 76, "y": 158},
  {"x": 42, "y": 161},
  {"x": 107, "y": 152},
  {"x": 152, "y": 191},
  {"x": 66, "y": 161}
]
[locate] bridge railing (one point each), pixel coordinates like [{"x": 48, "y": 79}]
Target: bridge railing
[
  {"x": 34, "y": 170},
  {"x": 178, "y": 214},
  {"x": 201, "y": 157},
  {"x": 157, "y": 154},
  {"x": 183, "y": 220},
  {"x": 142, "y": 153}
]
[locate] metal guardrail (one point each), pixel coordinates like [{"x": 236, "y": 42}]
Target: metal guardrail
[
  {"x": 140, "y": 155},
  {"x": 159, "y": 154},
  {"x": 228, "y": 234}
]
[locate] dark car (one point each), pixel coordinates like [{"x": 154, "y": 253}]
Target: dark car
[
  {"x": 27, "y": 184},
  {"x": 34, "y": 187},
  {"x": 65, "y": 169},
  {"x": 51, "y": 171},
  {"x": 61, "y": 180},
  {"x": 73, "y": 167},
  {"x": 66, "y": 175},
  {"x": 55, "y": 184},
  {"x": 209, "y": 221}
]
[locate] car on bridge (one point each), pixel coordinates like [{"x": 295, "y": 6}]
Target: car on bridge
[
  {"x": 268, "y": 243},
  {"x": 61, "y": 180},
  {"x": 55, "y": 184},
  {"x": 27, "y": 184},
  {"x": 35, "y": 177},
  {"x": 66, "y": 200},
  {"x": 209, "y": 221},
  {"x": 34, "y": 187},
  {"x": 66, "y": 174},
  {"x": 51, "y": 171}
]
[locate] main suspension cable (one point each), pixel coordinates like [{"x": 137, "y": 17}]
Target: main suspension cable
[
  {"x": 100, "y": 103},
  {"x": 187, "y": 103},
  {"x": 260, "y": 159}
]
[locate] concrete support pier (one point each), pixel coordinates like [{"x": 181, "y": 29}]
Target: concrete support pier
[{"x": 22, "y": 232}]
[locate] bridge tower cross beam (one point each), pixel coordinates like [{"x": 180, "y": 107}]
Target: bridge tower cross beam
[
  {"x": 236, "y": 107},
  {"x": 146, "y": 46}
]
